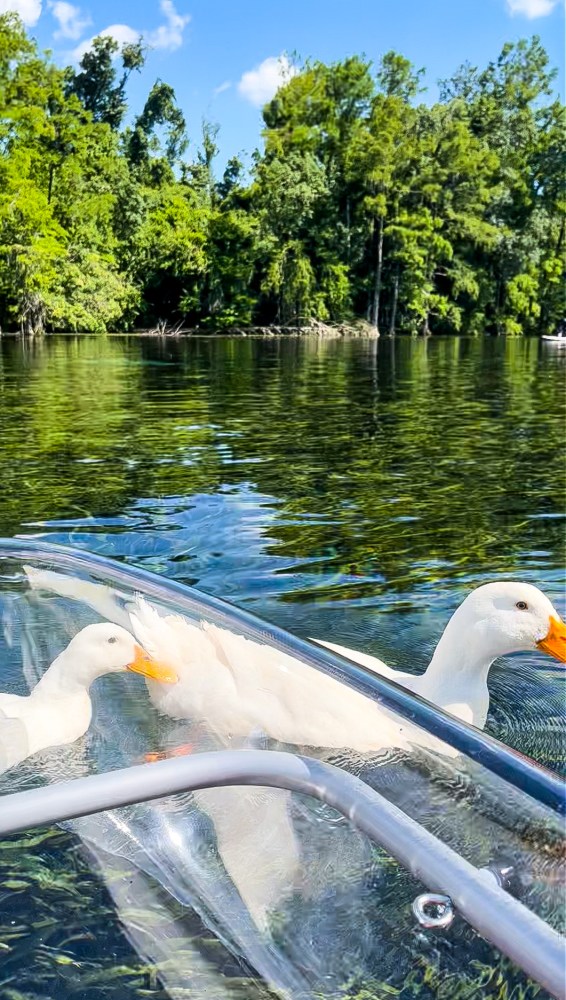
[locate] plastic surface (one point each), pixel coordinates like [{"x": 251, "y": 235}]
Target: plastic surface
[
  {"x": 283, "y": 881},
  {"x": 479, "y": 897}
]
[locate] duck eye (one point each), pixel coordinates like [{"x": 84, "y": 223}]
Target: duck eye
[
  {"x": 112, "y": 639},
  {"x": 522, "y": 606}
]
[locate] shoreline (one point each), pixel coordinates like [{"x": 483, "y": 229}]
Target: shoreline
[
  {"x": 358, "y": 329},
  {"x": 321, "y": 330},
  {"x": 316, "y": 328}
]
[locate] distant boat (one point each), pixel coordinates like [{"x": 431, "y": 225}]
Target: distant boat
[{"x": 559, "y": 335}]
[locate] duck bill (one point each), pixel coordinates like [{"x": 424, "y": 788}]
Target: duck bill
[
  {"x": 144, "y": 664},
  {"x": 554, "y": 641}
]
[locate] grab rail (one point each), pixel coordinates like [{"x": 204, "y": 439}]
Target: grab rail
[
  {"x": 517, "y": 769},
  {"x": 504, "y": 921}
]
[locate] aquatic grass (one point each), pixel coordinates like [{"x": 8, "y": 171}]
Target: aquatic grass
[{"x": 60, "y": 936}]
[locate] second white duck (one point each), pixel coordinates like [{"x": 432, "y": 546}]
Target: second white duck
[{"x": 58, "y": 711}]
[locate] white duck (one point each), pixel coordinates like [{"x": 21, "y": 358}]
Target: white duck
[
  {"x": 237, "y": 686},
  {"x": 59, "y": 709},
  {"x": 494, "y": 620}
]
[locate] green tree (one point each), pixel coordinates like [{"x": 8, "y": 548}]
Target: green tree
[
  {"x": 58, "y": 264},
  {"x": 161, "y": 117},
  {"x": 97, "y": 85},
  {"x": 508, "y": 108}
]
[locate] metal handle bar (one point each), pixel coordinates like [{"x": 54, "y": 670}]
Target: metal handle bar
[{"x": 497, "y": 916}]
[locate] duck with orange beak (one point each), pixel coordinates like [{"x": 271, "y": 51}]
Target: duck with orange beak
[
  {"x": 236, "y": 686},
  {"x": 59, "y": 709},
  {"x": 494, "y": 620}
]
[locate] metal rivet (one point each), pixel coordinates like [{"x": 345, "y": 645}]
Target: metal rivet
[{"x": 433, "y": 910}]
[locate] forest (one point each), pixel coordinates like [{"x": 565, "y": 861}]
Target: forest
[{"x": 365, "y": 203}]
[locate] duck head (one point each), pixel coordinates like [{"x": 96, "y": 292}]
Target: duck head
[
  {"x": 509, "y": 617},
  {"x": 106, "y": 648}
]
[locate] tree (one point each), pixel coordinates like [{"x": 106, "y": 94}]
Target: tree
[
  {"x": 58, "y": 267},
  {"x": 97, "y": 86},
  {"x": 169, "y": 262},
  {"x": 143, "y": 143},
  {"x": 288, "y": 195},
  {"x": 507, "y": 109}
]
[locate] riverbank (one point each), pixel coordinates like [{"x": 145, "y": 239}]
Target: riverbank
[
  {"x": 315, "y": 328},
  {"x": 358, "y": 328}
]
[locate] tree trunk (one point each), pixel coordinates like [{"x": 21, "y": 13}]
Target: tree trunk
[
  {"x": 394, "y": 305},
  {"x": 369, "y": 299},
  {"x": 32, "y": 315},
  {"x": 374, "y": 315}
]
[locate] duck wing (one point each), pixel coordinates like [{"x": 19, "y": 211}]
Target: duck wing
[
  {"x": 98, "y": 596},
  {"x": 237, "y": 686},
  {"x": 372, "y": 663},
  {"x": 205, "y": 690}
]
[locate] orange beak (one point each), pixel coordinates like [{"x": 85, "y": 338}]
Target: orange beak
[
  {"x": 554, "y": 641},
  {"x": 144, "y": 664}
]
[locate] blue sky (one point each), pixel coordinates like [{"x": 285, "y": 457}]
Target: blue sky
[{"x": 223, "y": 57}]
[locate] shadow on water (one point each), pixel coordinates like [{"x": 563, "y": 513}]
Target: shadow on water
[{"x": 354, "y": 488}]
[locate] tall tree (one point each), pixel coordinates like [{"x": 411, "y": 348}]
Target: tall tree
[
  {"x": 97, "y": 85},
  {"x": 161, "y": 116},
  {"x": 509, "y": 107}
]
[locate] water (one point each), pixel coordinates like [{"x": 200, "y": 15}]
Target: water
[{"x": 350, "y": 488}]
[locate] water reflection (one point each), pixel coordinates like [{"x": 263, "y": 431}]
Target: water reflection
[{"x": 389, "y": 465}]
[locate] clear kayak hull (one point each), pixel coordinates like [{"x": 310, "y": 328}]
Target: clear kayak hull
[{"x": 295, "y": 884}]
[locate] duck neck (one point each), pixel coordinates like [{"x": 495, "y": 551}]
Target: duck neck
[
  {"x": 62, "y": 679},
  {"x": 458, "y": 671}
]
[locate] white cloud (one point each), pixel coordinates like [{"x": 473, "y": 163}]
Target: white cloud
[
  {"x": 259, "y": 85},
  {"x": 29, "y": 10},
  {"x": 223, "y": 86},
  {"x": 169, "y": 35},
  {"x": 70, "y": 19},
  {"x": 531, "y": 8},
  {"x": 123, "y": 34}
]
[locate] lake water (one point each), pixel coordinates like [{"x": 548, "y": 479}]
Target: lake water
[{"x": 350, "y": 488}]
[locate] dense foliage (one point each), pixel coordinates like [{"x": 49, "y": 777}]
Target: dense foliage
[{"x": 365, "y": 202}]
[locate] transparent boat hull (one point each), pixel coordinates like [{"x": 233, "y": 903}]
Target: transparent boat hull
[{"x": 308, "y": 902}]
